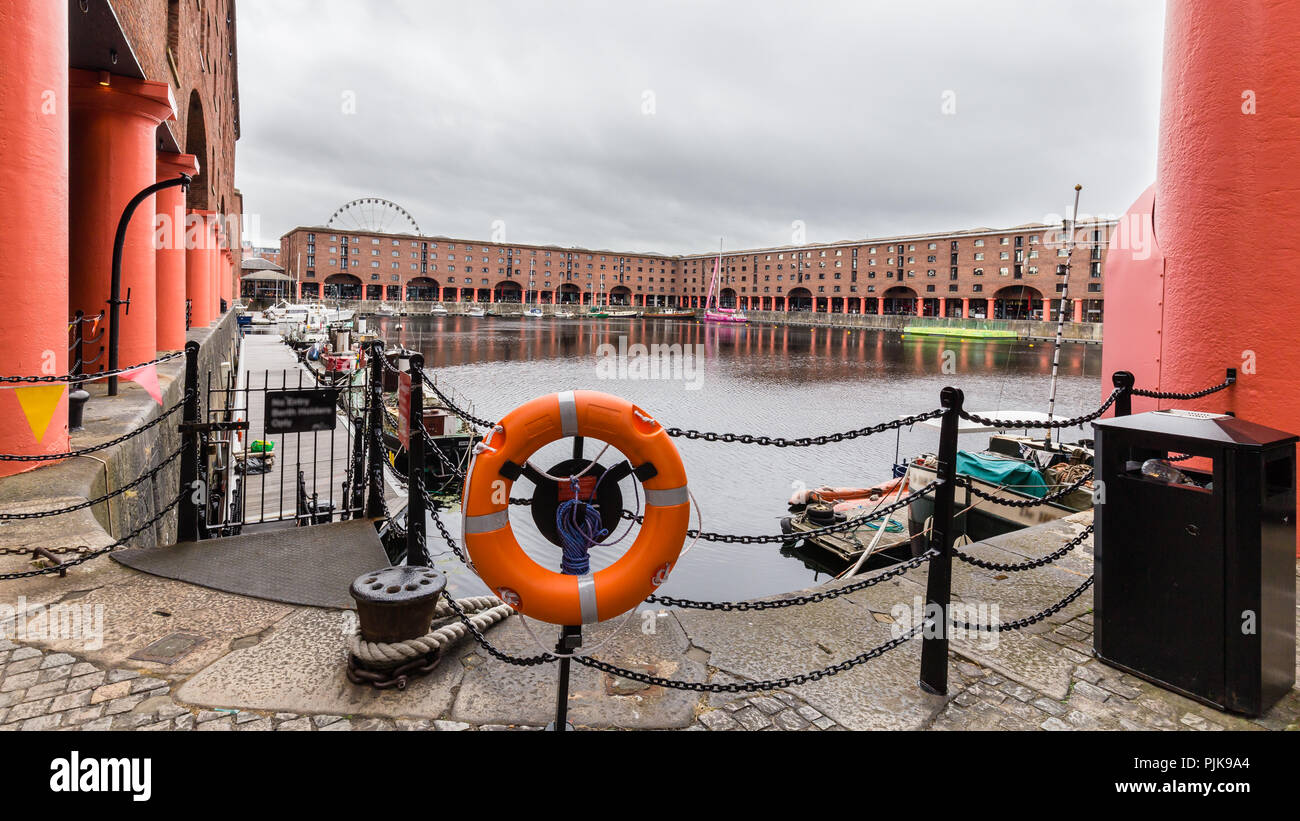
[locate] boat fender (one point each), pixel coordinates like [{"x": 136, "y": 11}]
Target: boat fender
[{"x": 501, "y": 562}]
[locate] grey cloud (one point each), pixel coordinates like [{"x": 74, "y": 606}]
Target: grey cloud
[{"x": 765, "y": 113}]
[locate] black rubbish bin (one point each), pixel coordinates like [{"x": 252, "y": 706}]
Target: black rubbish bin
[{"x": 1195, "y": 555}]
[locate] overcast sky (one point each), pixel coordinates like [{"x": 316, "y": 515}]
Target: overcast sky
[{"x": 661, "y": 126}]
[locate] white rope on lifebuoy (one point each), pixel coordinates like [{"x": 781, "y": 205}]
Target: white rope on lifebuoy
[{"x": 489, "y": 610}]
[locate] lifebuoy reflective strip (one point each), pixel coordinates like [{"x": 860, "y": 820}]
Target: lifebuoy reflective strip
[{"x": 545, "y": 594}]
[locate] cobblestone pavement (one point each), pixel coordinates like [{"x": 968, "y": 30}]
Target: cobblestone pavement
[{"x": 57, "y": 691}]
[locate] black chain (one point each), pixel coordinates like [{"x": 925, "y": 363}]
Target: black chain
[
  {"x": 81, "y": 377},
  {"x": 848, "y": 524},
  {"x": 806, "y": 441},
  {"x": 1043, "y": 423},
  {"x": 41, "y": 514},
  {"x": 1029, "y": 565},
  {"x": 966, "y": 482},
  {"x": 819, "y": 596},
  {"x": 90, "y": 554},
  {"x": 518, "y": 661},
  {"x": 1184, "y": 396},
  {"x": 446, "y": 534},
  {"x": 752, "y": 686},
  {"x": 47, "y": 457},
  {"x": 1028, "y": 620},
  {"x": 451, "y": 406}
]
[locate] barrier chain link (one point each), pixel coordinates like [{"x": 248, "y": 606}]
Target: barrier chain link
[
  {"x": 41, "y": 514},
  {"x": 88, "y": 553},
  {"x": 1029, "y": 565},
  {"x": 83, "y": 377},
  {"x": 49, "y": 457},
  {"x": 1042, "y": 423},
  {"x": 1028, "y": 620},
  {"x": 806, "y": 441}
]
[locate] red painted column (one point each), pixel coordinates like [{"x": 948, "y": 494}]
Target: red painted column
[
  {"x": 197, "y": 268},
  {"x": 214, "y": 264},
  {"x": 33, "y": 217},
  {"x": 965, "y": 307},
  {"x": 1078, "y": 310},
  {"x": 227, "y": 267},
  {"x": 169, "y": 250},
  {"x": 111, "y": 157},
  {"x": 1225, "y": 189}
]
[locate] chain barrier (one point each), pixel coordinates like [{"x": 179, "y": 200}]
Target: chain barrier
[
  {"x": 1029, "y": 565},
  {"x": 518, "y": 661},
  {"x": 41, "y": 514},
  {"x": 965, "y": 481},
  {"x": 1019, "y": 624},
  {"x": 839, "y": 527},
  {"x": 86, "y": 553},
  {"x": 1182, "y": 396},
  {"x": 1043, "y": 423},
  {"x": 48, "y": 457},
  {"x": 819, "y": 596},
  {"x": 451, "y": 406},
  {"x": 80, "y": 377},
  {"x": 752, "y": 686},
  {"x": 806, "y": 441}
]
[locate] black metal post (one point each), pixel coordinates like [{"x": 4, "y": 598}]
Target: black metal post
[
  {"x": 1123, "y": 380},
  {"x": 77, "y": 396},
  {"x": 375, "y": 434},
  {"x": 187, "y": 523},
  {"x": 115, "y": 292},
  {"x": 570, "y": 640},
  {"x": 416, "y": 552},
  {"x": 938, "y": 590}
]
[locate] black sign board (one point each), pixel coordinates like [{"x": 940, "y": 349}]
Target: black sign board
[{"x": 301, "y": 411}]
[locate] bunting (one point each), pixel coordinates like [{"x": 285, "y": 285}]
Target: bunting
[
  {"x": 147, "y": 378},
  {"x": 38, "y": 403}
]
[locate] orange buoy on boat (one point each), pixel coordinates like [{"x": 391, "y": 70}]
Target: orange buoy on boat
[
  {"x": 846, "y": 494},
  {"x": 502, "y": 456}
]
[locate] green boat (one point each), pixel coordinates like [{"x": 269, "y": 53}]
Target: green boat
[{"x": 973, "y": 333}]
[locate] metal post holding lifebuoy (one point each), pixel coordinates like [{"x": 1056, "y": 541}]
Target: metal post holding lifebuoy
[{"x": 570, "y": 641}]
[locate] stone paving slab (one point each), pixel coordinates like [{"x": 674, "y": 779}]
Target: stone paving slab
[
  {"x": 300, "y": 668},
  {"x": 494, "y": 692},
  {"x": 1023, "y": 654},
  {"x": 880, "y": 694},
  {"x": 138, "y": 609}
]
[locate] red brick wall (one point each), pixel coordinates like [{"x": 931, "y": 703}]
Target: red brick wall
[
  {"x": 753, "y": 274},
  {"x": 191, "y": 45}
]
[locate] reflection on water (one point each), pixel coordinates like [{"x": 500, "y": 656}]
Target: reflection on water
[{"x": 759, "y": 379}]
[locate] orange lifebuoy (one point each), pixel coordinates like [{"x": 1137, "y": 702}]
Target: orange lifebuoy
[{"x": 545, "y": 594}]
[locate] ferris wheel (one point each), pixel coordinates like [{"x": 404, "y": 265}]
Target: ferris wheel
[{"x": 373, "y": 215}]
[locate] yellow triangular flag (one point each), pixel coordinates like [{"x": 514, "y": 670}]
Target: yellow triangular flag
[{"x": 38, "y": 403}]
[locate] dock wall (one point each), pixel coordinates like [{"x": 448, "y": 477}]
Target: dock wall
[{"x": 1089, "y": 332}]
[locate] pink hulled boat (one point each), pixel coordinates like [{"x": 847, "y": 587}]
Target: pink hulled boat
[{"x": 714, "y": 312}]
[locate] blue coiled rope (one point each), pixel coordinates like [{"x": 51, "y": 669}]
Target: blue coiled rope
[{"x": 579, "y": 526}]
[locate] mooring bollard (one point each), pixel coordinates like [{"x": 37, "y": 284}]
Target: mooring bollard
[{"x": 397, "y": 603}]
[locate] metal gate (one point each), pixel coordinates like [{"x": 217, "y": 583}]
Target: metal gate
[{"x": 276, "y": 446}]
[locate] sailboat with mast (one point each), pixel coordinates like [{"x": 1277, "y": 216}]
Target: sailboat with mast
[
  {"x": 534, "y": 311},
  {"x": 713, "y": 310}
]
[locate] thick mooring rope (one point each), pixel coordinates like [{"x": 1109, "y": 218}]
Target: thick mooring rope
[{"x": 381, "y": 655}]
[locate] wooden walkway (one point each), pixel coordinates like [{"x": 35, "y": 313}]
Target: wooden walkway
[{"x": 266, "y": 363}]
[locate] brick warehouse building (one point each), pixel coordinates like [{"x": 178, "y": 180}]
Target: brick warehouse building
[
  {"x": 100, "y": 100},
  {"x": 976, "y": 273}
]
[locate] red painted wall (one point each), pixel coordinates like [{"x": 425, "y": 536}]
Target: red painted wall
[{"x": 1227, "y": 218}]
